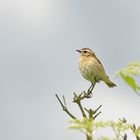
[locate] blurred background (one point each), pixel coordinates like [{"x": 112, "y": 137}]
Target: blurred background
[{"x": 38, "y": 39}]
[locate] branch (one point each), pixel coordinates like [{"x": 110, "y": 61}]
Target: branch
[
  {"x": 63, "y": 105},
  {"x": 93, "y": 113},
  {"x": 77, "y": 99}
]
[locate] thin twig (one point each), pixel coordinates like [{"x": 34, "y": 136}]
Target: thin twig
[
  {"x": 93, "y": 113},
  {"x": 64, "y": 106},
  {"x": 77, "y": 100},
  {"x": 81, "y": 109},
  {"x": 64, "y": 100},
  {"x": 96, "y": 115},
  {"x": 125, "y": 137},
  {"x": 97, "y": 109}
]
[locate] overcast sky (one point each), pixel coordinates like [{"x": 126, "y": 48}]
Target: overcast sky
[{"x": 38, "y": 39}]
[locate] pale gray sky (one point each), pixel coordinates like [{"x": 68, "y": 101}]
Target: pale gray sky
[{"x": 38, "y": 39}]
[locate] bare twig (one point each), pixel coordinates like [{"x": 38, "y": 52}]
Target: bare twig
[
  {"x": 64, "y": 106},
  {"x": 77, "y": 99},
  {"x": 97, "y": 109},
  {"x": 92, "y": 114},
  {"x": 97, "y": 115},
  {"x": 125, "y": 137}
]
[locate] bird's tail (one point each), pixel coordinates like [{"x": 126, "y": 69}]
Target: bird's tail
[{"x": 109, "y": 83}]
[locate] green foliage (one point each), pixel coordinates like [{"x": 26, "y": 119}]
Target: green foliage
[
  {"x": 119, "y": 128},
  {"x": 129, "y": 73},
  {"x": 84, "y": 125},
  {"x": 136, "y": 131}
]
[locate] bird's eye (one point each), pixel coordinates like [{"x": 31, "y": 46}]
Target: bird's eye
[{"x": 85, "y": 51}]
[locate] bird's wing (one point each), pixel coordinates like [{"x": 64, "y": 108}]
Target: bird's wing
[{"x": 100, "y": 67}]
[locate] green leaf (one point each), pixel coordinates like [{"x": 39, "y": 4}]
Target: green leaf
[
  {"x": 129, "y": 73},
  {"x": 131, "y": 69},
  {"x": 130, "y": 81}
]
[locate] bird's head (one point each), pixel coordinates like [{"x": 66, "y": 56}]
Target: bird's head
[{"x": 85, "y": 52}]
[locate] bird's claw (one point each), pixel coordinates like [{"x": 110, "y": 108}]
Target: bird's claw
[{"x": 89, "y": 93}]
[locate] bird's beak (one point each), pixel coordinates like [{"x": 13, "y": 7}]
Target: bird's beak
[{"x": 78, "y": 51}]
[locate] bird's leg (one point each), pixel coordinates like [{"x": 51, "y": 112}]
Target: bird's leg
[
  {"x": 89, "y": 92},
  {"x": 93, "y": 85},
  {"x": 90, "y": 87}
]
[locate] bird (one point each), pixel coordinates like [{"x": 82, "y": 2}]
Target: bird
[{"x": 92, "y": 69}]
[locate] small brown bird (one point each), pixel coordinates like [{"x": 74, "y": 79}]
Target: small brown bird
[{"x": 92, "y": 69}]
